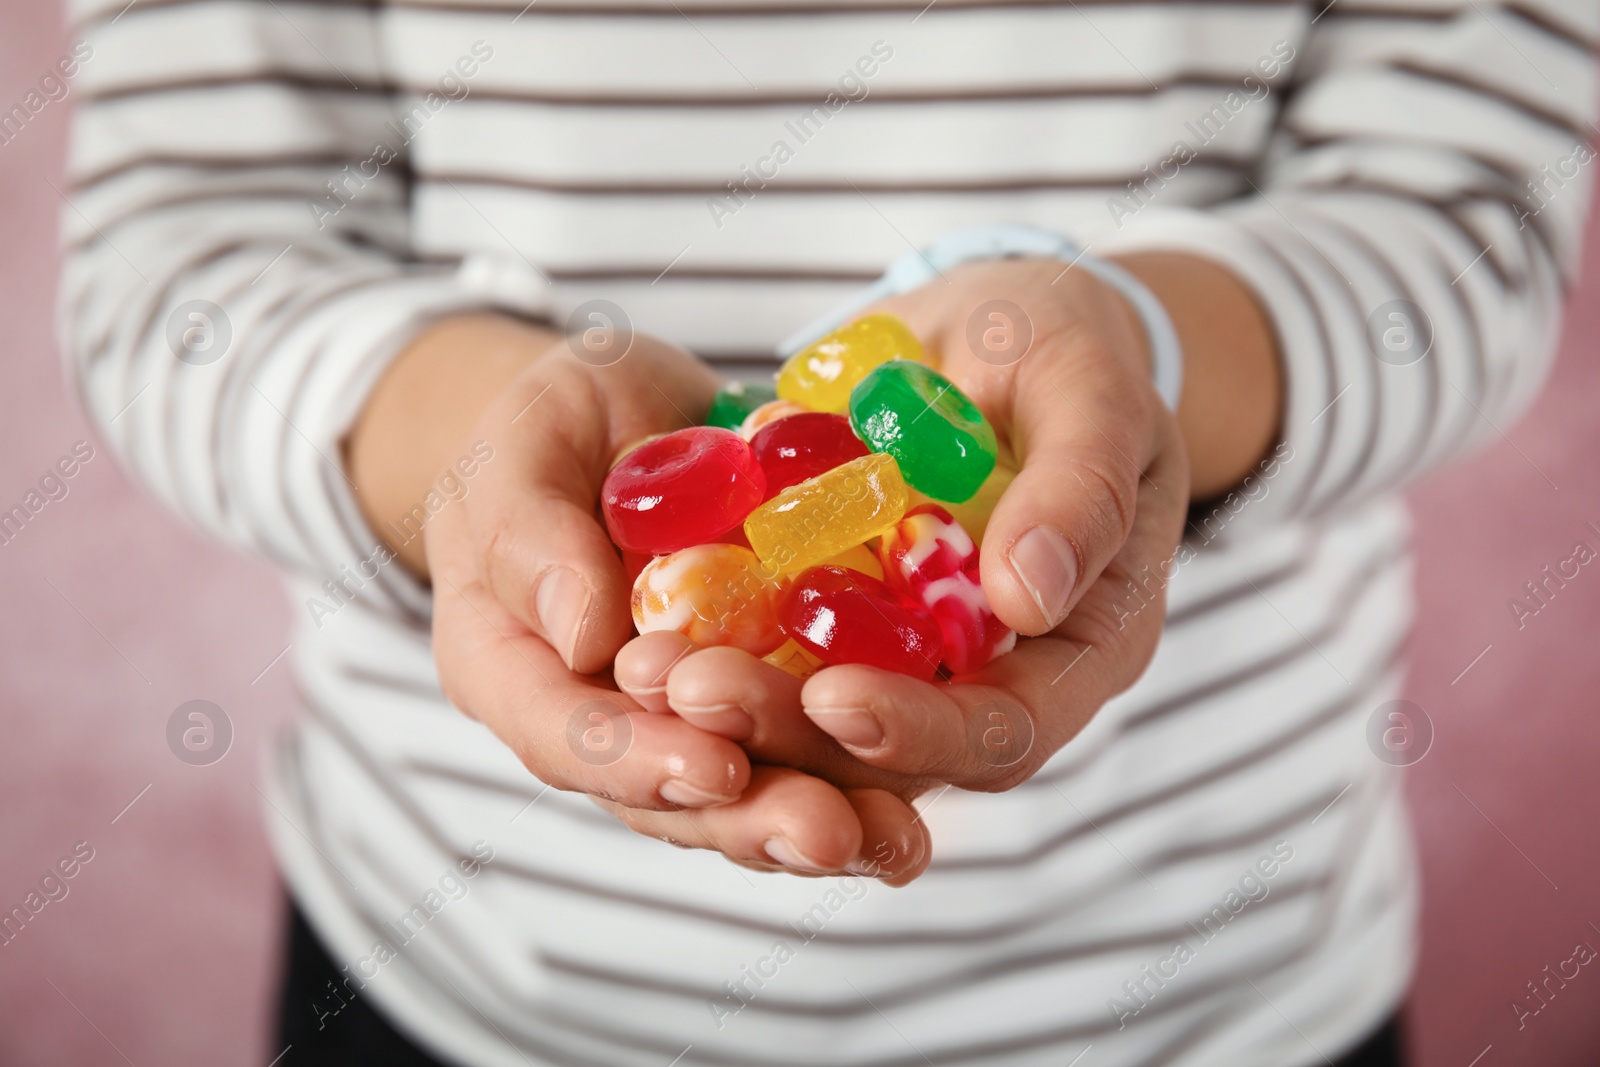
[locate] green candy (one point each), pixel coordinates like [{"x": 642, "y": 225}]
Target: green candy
[
  {"x": 733, "y": 402},
  {"x": 942, "y": 442}
]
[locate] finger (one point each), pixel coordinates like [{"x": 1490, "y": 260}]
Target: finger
[
  {"x": 731, "y": 693},
  {"x": 544, "y": 553},
  {"x": 566, "y": 730},
  {"x": 994, "y": 727},
  {"x": 724, "y": 689},
  {"x": 784, "y": 818},
  {"x": 895, "y": 844},
  {"x": 643, "y": 665},
  {"x": 1087, "y": 434},
  {"x": 908, "y": 726}
]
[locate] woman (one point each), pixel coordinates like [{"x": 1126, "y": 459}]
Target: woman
[{"x": 322, "y": 260}]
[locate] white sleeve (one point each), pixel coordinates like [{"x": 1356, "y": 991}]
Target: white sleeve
[
  {"x": 1412, "y": 234},
  {"x": 205, "y": 139}
]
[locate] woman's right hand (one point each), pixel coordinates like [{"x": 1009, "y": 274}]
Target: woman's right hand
[{"x": 531, "y": 601}]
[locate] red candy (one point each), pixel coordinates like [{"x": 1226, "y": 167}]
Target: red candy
[
  {"x": 930, "y": 557},
  {"x": 681, "y": 489},
  {"x": 843, "y": 616},
  {"x": 799, "y": 447}
]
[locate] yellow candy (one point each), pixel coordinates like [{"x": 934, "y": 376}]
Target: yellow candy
[
  {"x": 809, "y": 523},
  {"x": 771, "y": 411},
  {"x": 973, "y": 515},
  {"x": 792, "y": 659},
  {"x": 860, "y": 558},
  {"x": 822, "y": 375},
  {"x": 713, "y": 594}
]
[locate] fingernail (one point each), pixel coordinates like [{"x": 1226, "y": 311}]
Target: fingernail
[
  {"x": 726, "y": 720},
  {"x": 677, "y": 791},
  {"x": 561, "y": 601},
  {"x": 782, "y": 850},
  {"x": 849, "y": 726},
  {"x": 877, "y": 865},
  {"x": 1048, "y": 567}
]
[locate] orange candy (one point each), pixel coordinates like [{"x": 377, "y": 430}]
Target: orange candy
[{"x": 715, "y": 594}]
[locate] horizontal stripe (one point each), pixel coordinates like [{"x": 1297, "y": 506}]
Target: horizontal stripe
[
  {"x": 1134, "y": 87},
  {"x": 1464, "y": 79},
  {"x": 667, "y": 9},
  {"x": 1110, "y": 183}
]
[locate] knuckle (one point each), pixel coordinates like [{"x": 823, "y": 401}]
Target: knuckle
[
  {"x": 1002, "y": 746},
  {"x": 498, "y": 540},
  {"x": 1112, "y": 497},
  {"x": 504, "y": 544}
]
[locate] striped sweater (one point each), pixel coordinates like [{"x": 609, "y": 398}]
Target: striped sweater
[{"x": 268, "y": 198}]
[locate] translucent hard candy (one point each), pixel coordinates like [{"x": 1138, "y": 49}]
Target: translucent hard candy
[
  {"x": 823, "y": 516},
  {"x": 734, "y": 403},
  {"x": 821, "y": 375},
  {"x": 714, "y": 594},
  {"x": 680, "y": 489},
  {"x": 929, "y": 557},
  {"x": 803, "y": 446},
  {"x": 842, "y": 616},
  {"x": 944, "y": 445}
]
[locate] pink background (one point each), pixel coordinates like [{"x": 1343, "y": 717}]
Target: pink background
[{"x": 164, "y": 951}]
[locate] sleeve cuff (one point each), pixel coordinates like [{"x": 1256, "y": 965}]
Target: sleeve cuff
[
  {"x": 314, "y": 384},
  {"x": 1286, "y": 477}
]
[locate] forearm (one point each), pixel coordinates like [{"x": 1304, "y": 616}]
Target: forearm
[
  {"x": 1232, "y": 398},
  {"x": 422, "y": 409}
]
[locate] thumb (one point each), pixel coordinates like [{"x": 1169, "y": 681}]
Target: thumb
[
  {"x": 543, "y": 552},
  {"x": 1086, "y": 436}
]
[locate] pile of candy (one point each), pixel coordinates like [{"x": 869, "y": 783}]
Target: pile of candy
[{"x": 825, "y": 521}]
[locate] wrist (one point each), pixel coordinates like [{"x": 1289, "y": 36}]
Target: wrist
[
  {"x": 423, "y": 408},
  {"x": 1231, "y": 404}
]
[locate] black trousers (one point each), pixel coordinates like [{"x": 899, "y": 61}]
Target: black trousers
[{"x": 322, "y": 1030}]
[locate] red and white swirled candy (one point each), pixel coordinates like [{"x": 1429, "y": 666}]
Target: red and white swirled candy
[{"x": 930, "y": 557}]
